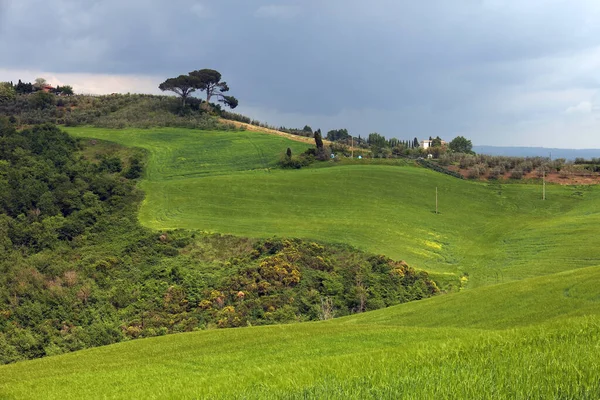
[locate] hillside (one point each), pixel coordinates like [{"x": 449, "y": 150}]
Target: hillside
[
  {"x": 79, "y": 271},
  {"x": 255, "y": 128},
  {"x": 523, "y": 324},
  {"x": 224, "y": 182},
  {"x": 115, "y": 111},
  {"x": 535, "y": 338}
]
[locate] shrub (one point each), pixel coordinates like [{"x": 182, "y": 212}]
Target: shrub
[
  {"x": 516, "y": 174},
  {"x": 466, "y": 161},
  {"x": 477, "y": 171},
  {"x": 295, "y": 162},
  {"x": 496, "y": 172}
]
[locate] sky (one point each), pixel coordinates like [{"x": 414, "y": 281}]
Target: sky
[{"x": 499, "y": 72}]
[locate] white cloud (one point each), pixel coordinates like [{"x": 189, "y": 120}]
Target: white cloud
[{"x": 584, "y": 107}]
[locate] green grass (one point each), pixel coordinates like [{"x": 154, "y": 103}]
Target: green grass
[
  {"x": 472, "y": 344},
  {"x": 528, "y": 327},
  {"x": 177, "y": 154},
  {"x": 224, "y": 182}
]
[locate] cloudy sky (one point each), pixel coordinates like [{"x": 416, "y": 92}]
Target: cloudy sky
[{"x": 501, "y": 72}]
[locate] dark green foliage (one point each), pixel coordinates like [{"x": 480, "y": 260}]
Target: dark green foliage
[
  {"x": 23, "y": 88},
  {"x": 111, "y": 164},
  {"x": 7, "y": 92},
  {"x": 42, "y": 100},
  {"x": 592, "y": 161},
  {"x": 461, "y": 145},
  {"x": 230, "y": 101},
  {"x": 376, "y": 140},
  {"x": 77, "y": 270},
  {"x": 318, "y": 139},
  {"x": 135, "y": 168},
  {"x": 209, "y": 81},
  {"x": 591, "y": 165},
  {"x": 294, "y": 280},
  {"x": 183, "y": 86},
  {"x": 437, "y": 142},
  {"x": 289, "y": 161},
  {"x": 113, "y": 111},
  {"x": 235, "y": 117},
  {"x": 338, "y": 134},
  {"x": 65, "y": 90}
]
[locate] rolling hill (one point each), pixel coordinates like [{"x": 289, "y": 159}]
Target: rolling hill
[
  {"x": 526, "y": 327},
  {"x": 535, "y": 338},
  {"x": 225, "y": 182}
]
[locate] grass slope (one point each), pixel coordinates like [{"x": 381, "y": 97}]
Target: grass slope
[
  {"x": 221, "y": 182},
  {"x": 524, "y": 339},
  {"x": 534, "y": 336}
]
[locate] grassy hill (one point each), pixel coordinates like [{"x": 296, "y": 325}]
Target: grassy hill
[
  {"x": 223, "y": 182},
  {"x": 528, "y": 327},
  {"x": 535, "y": 338}
]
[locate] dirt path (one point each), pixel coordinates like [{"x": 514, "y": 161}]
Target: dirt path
[{"x": 255, "y": 128}]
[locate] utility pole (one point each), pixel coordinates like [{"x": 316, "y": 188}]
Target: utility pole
[
  {"x": 544, "y": 183},
  {"x": 352, "y": 146}
]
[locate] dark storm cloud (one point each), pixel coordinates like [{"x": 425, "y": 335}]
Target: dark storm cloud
[{"x": 473, "y": 66}]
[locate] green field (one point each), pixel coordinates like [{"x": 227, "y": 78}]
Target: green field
[
  {"x": 527, "y": 327},
  {"x": 535, "y": 338},
  {"x": 224, "y": 182}
]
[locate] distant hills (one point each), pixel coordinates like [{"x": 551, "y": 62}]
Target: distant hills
[{"x": 569, "y": 154}]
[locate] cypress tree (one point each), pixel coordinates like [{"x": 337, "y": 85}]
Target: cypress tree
[{"x": 318, "y": 139}]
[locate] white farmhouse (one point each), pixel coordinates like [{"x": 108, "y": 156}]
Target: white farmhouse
[{"x": 425, "y": 144}]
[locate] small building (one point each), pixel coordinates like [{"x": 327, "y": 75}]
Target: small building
[
  {"x": 425, "y": 144},
  {"x": 47, "y": 89}
]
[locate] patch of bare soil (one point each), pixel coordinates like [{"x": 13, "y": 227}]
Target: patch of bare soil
[
  {"x": 255, "y": 128},
  {"x": 554, "y": 177}
]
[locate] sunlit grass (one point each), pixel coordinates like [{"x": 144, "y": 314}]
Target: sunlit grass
[
  {"x": 527, "y": 327},
  {"x": 226, "y": 182},
  {"x": 416, "y": 350}
]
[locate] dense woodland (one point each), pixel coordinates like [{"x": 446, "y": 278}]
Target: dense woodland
[{"x": 79, "y": 271}]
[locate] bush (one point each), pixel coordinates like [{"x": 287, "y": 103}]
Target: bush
[
  {"x": 477, "y": 171},
  {"x": 516, "y": 174},
  {"x": 295, "y": 162},
  {"x": 496, "y": 172},
  {"x": 111, "y": 164},
  {"x": 135, "y": 168}
]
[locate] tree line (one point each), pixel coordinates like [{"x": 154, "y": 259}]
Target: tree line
[{"x": 9, "y": 90}]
